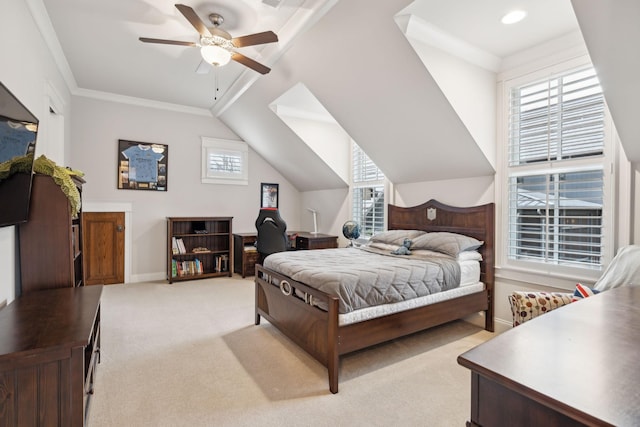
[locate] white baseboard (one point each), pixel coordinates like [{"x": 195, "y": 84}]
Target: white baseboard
[
  {"x": 149, "y": 277},
  {"x": 499, "y": 325},
  {"x": 502, "y": 325}
]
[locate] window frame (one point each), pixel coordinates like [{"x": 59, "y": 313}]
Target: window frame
[
  {"x": 356, "y": 186},
  {"x": 240, "y": 148},
  {"x": 539, "y": 272}
]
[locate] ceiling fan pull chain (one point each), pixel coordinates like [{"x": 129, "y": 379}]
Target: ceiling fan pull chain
[{"x": 217, "y": 89}]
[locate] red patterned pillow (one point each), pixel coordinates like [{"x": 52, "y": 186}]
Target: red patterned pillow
[{"x": 582, "y": 292}]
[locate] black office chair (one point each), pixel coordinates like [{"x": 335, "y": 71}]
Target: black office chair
[{"x": 272, "y": 233}]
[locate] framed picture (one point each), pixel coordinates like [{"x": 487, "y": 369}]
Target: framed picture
[
  {"x": 268, "y": 195},
  {"x": 142, "y": 166}
]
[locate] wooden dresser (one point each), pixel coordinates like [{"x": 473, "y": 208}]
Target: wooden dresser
[
  {"x": 51, "y": 240},
  {"x": 574, "y": 366},
  {"x": 49, "y": 349}
]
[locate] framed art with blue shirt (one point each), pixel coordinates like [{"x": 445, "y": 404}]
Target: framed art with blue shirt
[{"x": 142, "y": 165}]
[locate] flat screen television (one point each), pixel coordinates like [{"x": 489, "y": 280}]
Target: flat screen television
[{"x": 18, "y": 135}]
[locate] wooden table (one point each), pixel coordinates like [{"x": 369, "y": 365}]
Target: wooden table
[{"x": 577, "y": 365}]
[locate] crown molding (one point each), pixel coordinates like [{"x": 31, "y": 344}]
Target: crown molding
[
  {"x": 141, "y": 102},
  {"x": 420, "y": 30},
  {"x": 43, "y": 22}
]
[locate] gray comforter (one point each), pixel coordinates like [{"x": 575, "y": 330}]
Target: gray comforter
[{"x": 367, "y": 277}]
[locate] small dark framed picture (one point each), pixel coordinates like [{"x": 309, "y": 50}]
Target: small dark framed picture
[{"x": 268, "y": 195}]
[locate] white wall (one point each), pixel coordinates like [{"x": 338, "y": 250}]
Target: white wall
[
  {"x": 29, "y": 71},
  {"x": 455, "y": 192},
  {"x": 326, "y": 138},
  {"x": 468, "y": 86},
  {"x": 332, "y": 208},
  {"x": 97, "y": 126}
]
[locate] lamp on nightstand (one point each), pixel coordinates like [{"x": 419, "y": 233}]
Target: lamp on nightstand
[{"x": 315, "y": 220}]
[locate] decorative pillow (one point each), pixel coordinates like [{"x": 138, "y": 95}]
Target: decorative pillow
[
  {"x": 395, "y": 237},
  {"x": 582, "y": 292},
  {"x": 447, "y": 243},
  {"x": 529, "y": 305}
]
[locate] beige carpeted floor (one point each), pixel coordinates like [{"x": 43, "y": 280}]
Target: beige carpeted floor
[{"x": 189, "y": 354}]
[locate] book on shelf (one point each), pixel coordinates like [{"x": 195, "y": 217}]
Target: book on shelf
[
  {"x": 174, "y": 246},
  {"x": 221, "y": 263},
  {"x": 187, "y": 268},
  {"x": 181, "y": 248}
]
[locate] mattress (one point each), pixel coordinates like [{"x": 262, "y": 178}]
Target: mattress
[
  {"x": 469, "y": 263},
  {"x": 363, "y": 279},
  {"x": 469, "y": 271},
  {"x": 386, "y": 309}
]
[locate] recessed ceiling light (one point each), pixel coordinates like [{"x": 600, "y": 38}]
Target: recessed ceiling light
[{"x": 513, "y": 17}]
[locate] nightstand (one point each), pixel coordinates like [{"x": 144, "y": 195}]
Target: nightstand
[{"x": 245, "y": 254}]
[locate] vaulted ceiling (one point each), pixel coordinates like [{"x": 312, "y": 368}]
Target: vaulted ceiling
[{"x": 356, "y": 58}]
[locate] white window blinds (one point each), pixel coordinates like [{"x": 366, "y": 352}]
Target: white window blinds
[
  {"x": 368, "y": 200},
  {"x": 224, "y": 162},
  {"x": 556, "y": 180},
  {"x": 559, "y": 118}
]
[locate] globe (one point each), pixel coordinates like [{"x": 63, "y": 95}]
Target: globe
[{"x": 351, "y": 230}]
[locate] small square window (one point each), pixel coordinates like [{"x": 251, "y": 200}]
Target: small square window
[{"x": 224, "y": 161}]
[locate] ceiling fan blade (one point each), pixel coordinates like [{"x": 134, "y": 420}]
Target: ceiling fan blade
[
  {"x": 193, "y": 18},
  {"x": 248, "y": 62},
  {"x": 254, "y": 39},
  {"x": 163, "y": 41}
]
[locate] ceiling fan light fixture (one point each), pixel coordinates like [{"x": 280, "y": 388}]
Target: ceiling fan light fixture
[
  {"x": 217, "y": 47},
  {"x": 215, "y": 55}
]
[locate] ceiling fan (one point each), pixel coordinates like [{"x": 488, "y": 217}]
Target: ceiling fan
[{"x": 217, "y": 46}]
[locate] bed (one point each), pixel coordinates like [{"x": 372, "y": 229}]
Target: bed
[{"x": 312, "y": 319}]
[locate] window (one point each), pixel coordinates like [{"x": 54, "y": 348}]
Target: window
[
  {"x": 368, "y": 198},
  {"x": 556, "y": 181},
  {"x": 224, "y": 161}
]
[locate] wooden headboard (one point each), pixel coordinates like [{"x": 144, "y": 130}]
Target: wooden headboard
[{"x": 475, "y": 221}]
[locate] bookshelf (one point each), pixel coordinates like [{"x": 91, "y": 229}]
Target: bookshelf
[{"x": 199, "y": 247}]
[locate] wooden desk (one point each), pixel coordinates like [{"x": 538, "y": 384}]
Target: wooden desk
[
  {"x": 49, "y": 349},
  {"x": 576, "y": 365},
  {"x": 244, "y": 260},
  {"x": 306, "y": 240}
]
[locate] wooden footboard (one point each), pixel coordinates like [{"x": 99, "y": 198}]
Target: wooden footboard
[
  {"x": 318, "y": 332},
  {"x": 313, "y": 329}
]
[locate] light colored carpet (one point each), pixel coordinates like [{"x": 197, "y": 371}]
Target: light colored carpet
[{"x": 189, "y": 354}]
